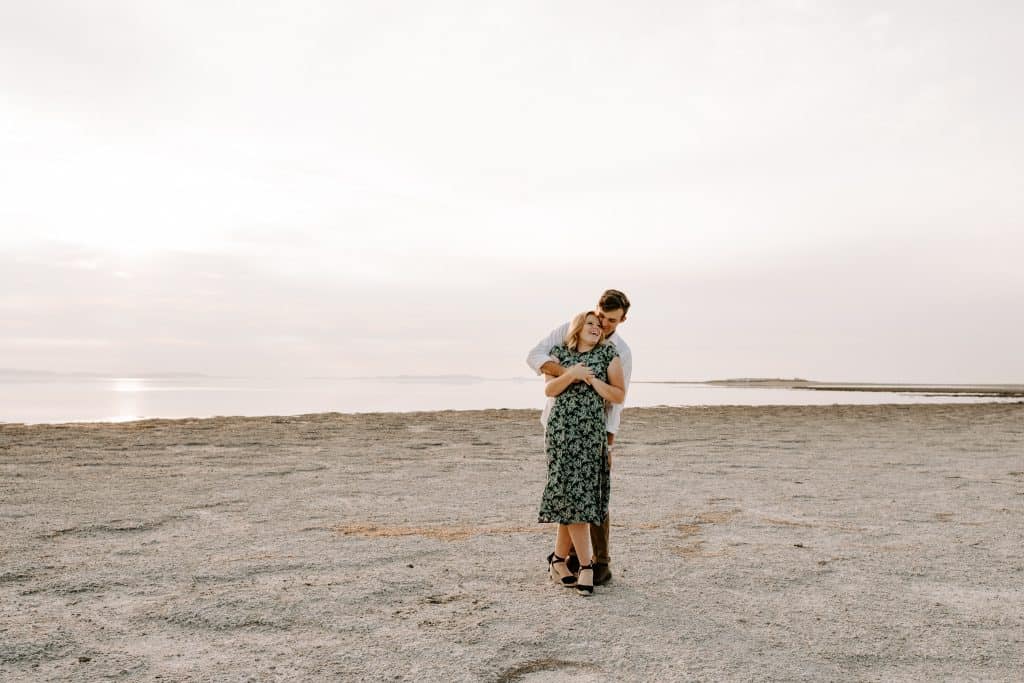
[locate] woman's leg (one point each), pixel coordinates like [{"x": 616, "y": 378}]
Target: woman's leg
[
  {"x": 580, "y": 534},
  {"x": 559, "y": 571},
  {"x": 563, "y": 542},
  {"x": 581, "y": 539}
]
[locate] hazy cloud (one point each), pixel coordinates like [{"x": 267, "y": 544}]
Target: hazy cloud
[{"x": 788, "y": 188}]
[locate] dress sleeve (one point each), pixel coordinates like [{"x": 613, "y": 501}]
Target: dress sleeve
[
  {"x": 613, "y": 411},
  {"x": 611, "y": 352},
  {"x": 558, "y": 353}
]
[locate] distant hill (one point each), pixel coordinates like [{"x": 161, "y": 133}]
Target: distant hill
[{"x": 14, "y": 373}]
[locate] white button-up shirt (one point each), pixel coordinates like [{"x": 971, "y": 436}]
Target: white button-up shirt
[{"x": 541, "y": 354}]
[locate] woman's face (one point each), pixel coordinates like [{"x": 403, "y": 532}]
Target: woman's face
[{"x": 592, "y": 330}]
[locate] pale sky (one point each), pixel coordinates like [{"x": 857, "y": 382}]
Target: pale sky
[{"x": 823, "y": 190}]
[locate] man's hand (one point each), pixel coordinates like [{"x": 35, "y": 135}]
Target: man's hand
[{"x": 552, "y": 368}]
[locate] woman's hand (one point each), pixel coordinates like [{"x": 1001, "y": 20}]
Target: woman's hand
[
  {"x": 554, "y": 386},
  {"x": 580, "y": 373}
]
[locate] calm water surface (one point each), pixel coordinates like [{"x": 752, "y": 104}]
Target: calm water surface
[{"x": 69, "y": 399}]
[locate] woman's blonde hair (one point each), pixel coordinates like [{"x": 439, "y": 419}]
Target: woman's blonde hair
[{"x": 572, "y": 337}]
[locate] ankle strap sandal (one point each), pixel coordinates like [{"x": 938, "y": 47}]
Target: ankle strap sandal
[
  {"x": 582, "y": 588},
  {"x": 556, "y": 576}
]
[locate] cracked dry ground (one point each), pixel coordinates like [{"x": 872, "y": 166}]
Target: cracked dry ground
[{"x": 749, "y": 543}]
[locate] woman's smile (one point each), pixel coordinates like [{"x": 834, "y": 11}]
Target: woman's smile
[{"x": 592, "y": 329}]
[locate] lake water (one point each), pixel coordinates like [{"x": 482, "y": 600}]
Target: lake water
[{"x": 50, "y": 399}]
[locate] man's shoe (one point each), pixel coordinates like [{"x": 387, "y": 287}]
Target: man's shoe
[{"x": 602, "y": 574}]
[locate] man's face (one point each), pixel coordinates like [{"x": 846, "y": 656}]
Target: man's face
[{"x": 610, "y": 320}]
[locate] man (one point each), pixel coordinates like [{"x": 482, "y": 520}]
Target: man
[{"x": 612, "y": 308}]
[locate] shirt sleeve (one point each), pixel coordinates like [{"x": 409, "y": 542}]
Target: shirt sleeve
[
  {"x": 613, "y": 417},
  {"x": 541, "y": 353},
  {"x": 626, "y": 357},
  {"x": 614, "y": 414}
]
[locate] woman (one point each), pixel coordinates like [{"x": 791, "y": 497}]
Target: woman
[{"x": 576, "y": 494}]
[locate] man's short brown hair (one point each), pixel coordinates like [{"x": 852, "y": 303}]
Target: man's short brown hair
[{"x": 613, "y": 299}]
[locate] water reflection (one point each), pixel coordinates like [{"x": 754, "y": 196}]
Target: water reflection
[
  {"x": 120, "y": 399},
  {"x": 128, "y": 384}
]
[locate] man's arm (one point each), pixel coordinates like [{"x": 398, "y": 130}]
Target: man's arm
[
  {"x": 552, "y": 368},
  {"x": 539, "y": 358}
]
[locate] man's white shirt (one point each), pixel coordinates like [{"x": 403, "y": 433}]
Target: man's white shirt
[{"x": 541, "y": 354}]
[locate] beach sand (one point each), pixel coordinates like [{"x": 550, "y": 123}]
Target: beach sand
[{"x": 748, "y": 543}]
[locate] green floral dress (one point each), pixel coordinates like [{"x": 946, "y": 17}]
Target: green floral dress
[{"x": 577, "y": 445}]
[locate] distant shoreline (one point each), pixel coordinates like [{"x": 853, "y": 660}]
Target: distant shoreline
[{"x": 981, "y": 390}]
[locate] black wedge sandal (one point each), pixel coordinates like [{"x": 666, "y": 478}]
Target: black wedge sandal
[
  {"x": 567, "y": 581},
  {"x": 582, "y": 588}
]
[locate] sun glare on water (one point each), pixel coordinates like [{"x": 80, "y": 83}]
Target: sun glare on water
[
  {"x": 127, "y": 390},
  {"x": 129, "y": 385}
]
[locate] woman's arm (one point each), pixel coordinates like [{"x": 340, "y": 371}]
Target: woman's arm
[
  {"x": 577, "y": 373},
  {"x": 614, "y": 390}
]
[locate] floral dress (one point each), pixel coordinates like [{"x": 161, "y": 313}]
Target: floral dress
[{"x": 577, "y": 445}]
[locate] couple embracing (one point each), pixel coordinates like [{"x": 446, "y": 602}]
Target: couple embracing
[{"x": 587, "y": 366}]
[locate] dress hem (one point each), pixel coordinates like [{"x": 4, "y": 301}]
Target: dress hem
[{"x": 555, "y": 521}]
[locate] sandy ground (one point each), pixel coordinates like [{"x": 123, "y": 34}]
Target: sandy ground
[{"x": 749, "y": 543}]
